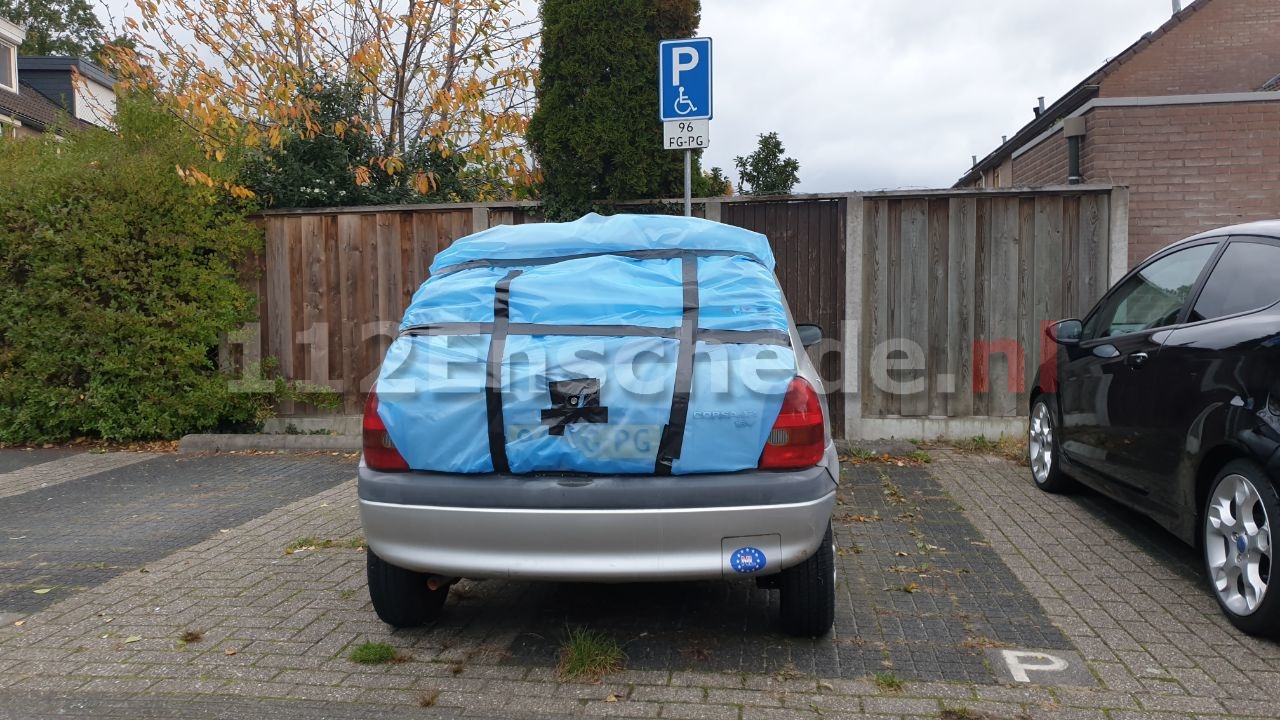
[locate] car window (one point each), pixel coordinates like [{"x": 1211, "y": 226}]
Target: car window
[
  {"x": 1244, "y": 279},
  {"x": 1152, "y": 297}
]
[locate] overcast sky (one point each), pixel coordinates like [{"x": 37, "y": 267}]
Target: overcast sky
[{"x": 880, "y": 94}]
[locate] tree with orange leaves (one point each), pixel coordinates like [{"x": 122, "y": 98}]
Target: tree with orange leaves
[{"x": 450, "y": 77}]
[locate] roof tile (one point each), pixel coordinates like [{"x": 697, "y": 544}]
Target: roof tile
[{"x": 35, "y": 110}]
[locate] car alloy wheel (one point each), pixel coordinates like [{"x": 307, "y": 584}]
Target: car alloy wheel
[
  {"x": 1237, "y": 542},
  {"x": 1040, "y": 443}
]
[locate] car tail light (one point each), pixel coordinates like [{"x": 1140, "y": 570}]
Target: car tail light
[
  {"x": 798, "y": 438},
  {"x": 379, "y": 452}
]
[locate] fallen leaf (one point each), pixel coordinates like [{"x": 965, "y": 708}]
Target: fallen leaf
[
  {"x": 20, "y": 623},
  {"x": 911, "y": 587},
  {"x": 133, "y": 638},
  {"x": 229, "y": 652},
  {"x": 612, "y": 698},
  {"x": 41, "y": 591}
]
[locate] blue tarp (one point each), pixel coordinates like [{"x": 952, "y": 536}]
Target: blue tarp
[{"x": 580, "y": 347}]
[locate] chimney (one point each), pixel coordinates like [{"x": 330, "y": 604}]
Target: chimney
[
  {"x": 1004, "y": 139},
  {"x": 975, "y": 160},
  {"x": 1041, "y": 103},
  {"x": 1177, "y": 6}
]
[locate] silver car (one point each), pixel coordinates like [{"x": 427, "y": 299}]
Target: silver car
[{"x": 570, "y": 481}]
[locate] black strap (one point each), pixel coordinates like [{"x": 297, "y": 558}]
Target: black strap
[
  {"x": 493, "y": 382},
  {"x": 652, "y": 254},
  {"x": 448, "y": 328},
  {"x": 469, "y": 328},
  {"x": 730, "y": 337},
  {"x": 672, "y": 441},
  {"x": 592, "y": 330},
  {"x": 746, "y": 337}
]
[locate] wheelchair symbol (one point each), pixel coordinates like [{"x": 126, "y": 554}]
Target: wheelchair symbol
[{"x": 683, "y": 105}]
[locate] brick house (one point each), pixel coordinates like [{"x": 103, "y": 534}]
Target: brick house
[
  {"x": 38, "y": 94},
  {"x": 1188, "y": 117}
]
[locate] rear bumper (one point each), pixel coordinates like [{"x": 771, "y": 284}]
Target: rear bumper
[{"x": 596, "y": 529}]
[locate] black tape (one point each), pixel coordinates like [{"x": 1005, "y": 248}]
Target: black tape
[
  {"x": 746, "y": 337},
  {"x": 448, "y": 328},
  {"x": 572, "y": 401},
  {"x": 593, "y": 330},
  {"x": 728, "y": 337},
  {"x": 672, "y": 442},
  {"x": 493, "y": 380},
  {"x": 667, "y": 254},
  {"x": 463, "y": 328}
]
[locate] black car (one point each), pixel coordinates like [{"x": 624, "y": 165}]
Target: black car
[{"x": 1167, "y": 398}]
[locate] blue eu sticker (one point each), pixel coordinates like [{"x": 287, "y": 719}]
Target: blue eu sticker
[{"x": 747, "y": 560}]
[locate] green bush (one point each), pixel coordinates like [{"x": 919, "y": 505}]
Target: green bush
[
  {"x": 319, "y": 170},
  {"x": 117, "y": 277}
]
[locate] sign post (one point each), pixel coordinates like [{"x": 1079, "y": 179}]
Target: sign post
[{"x": 684, "y": 101}]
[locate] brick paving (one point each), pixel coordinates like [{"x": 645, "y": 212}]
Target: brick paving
[
  {"x": 1044, "y": 573},
  {"x": 1132, "y": 598},
  {"x": 17, "y": 459},
  {"x": 89, "y": 518},
  {"x": 22, "y": 471},
  {"x": 919, "y": 595}
]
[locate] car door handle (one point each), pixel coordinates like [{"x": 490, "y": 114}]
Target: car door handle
[{"x": 1137, "y": 360}]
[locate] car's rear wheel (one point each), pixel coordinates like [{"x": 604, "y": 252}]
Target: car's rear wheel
[
  {"x": 402, "y": 597},
  {"x": 808, "y": 592},
  {"x": 1237, "y": 547},
  {"x": 1042, "y": 447}
]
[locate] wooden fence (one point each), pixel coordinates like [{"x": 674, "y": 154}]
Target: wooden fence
[
  {"x": 957, "y": 288},
  {"x": 808, "y": 241},
  {"x": 942, "y": 270}
]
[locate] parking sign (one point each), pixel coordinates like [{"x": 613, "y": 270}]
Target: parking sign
[{"x": 684, "y": 79}]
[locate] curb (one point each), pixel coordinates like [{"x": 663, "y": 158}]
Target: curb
[
  {"x": 191, "y": 444},
  {"x": 877, "y": 447}
]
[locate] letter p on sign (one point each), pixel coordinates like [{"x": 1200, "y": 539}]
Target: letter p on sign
[
  {"x": 1017, "y": 660},
  {"x": 682, "y": 59}
]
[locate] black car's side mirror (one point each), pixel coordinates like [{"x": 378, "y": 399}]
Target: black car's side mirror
[
  {"x": 1066, "y": 332},
  {"x": 809, "y": 334}
]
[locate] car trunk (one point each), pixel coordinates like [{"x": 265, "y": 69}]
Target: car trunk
[{"x": 608, "y": 345}]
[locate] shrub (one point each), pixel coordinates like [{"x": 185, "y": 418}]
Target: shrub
[
  {"x": 117, "y": 277},
  {"x": 318, "y": 170},
  {"x": 373, "y": 654}
]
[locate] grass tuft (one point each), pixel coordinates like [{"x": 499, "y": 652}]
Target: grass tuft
[
  {"x": 1012, "y": 448},
  {"x": 888, "y": 681},
  {"x": 373, "y": 654},
  {"x": 589, "y": 655},
  {"x": 190, "y": 636},
  {"x": 313, "y": 543},
  {"x": 862, "y": 454},
  {"x": 429, "y": 698},
  {"x": 983, "y": 642}
]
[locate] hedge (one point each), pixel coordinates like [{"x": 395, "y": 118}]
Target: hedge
[{"x": 117, "y": 278}]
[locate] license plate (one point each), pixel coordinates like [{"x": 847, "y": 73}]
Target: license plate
[{"x": 598, "y": 441}]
